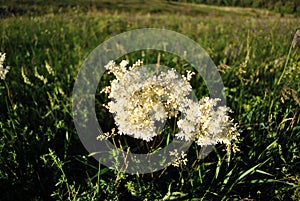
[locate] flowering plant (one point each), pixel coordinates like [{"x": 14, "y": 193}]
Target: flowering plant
[
  {"x": 142, "y": 99},
  {"x": 3, "y": 70}
]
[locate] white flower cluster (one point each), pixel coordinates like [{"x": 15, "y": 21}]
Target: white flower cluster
[
  {"x": 141, "y": 98},
  {"x": 3, "y": 70},
  {"x": 206, "y": 124},
  {"x": 179, "y": 159}
]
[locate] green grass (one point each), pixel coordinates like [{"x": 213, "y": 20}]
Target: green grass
[{"x": 42, "y": 157}]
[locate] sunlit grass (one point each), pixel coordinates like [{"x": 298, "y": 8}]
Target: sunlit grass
[{"x": 41, "y": 155}]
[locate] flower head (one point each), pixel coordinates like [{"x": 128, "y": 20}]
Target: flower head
[
  {"x": 141, "y": 97},
  {"x": 296, "y": 38},
  {"x": 3, "y": 70},
  {"x": 180, "y": 159},
  {"x": 207, "y": 124}
]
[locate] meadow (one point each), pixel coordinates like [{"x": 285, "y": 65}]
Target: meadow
[{"x": 42, "y": 157}]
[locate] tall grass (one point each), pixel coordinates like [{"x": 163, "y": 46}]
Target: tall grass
[{"x": 43, "y": 159}]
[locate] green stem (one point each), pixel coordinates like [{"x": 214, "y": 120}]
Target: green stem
[
  {"x": 9, "y": 96},
  {"x": 285, "y": 65},
  {"x": 281, "y": 76}
]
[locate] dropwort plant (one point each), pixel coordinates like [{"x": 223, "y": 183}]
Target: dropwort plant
[
  {"x": 140, "y": 100},
  {"x": 3, "y": 72}
]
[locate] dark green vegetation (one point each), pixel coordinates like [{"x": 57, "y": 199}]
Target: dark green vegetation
[
  {"x": 41, "y": 155},
  {"x": 289, "y": 6}
]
